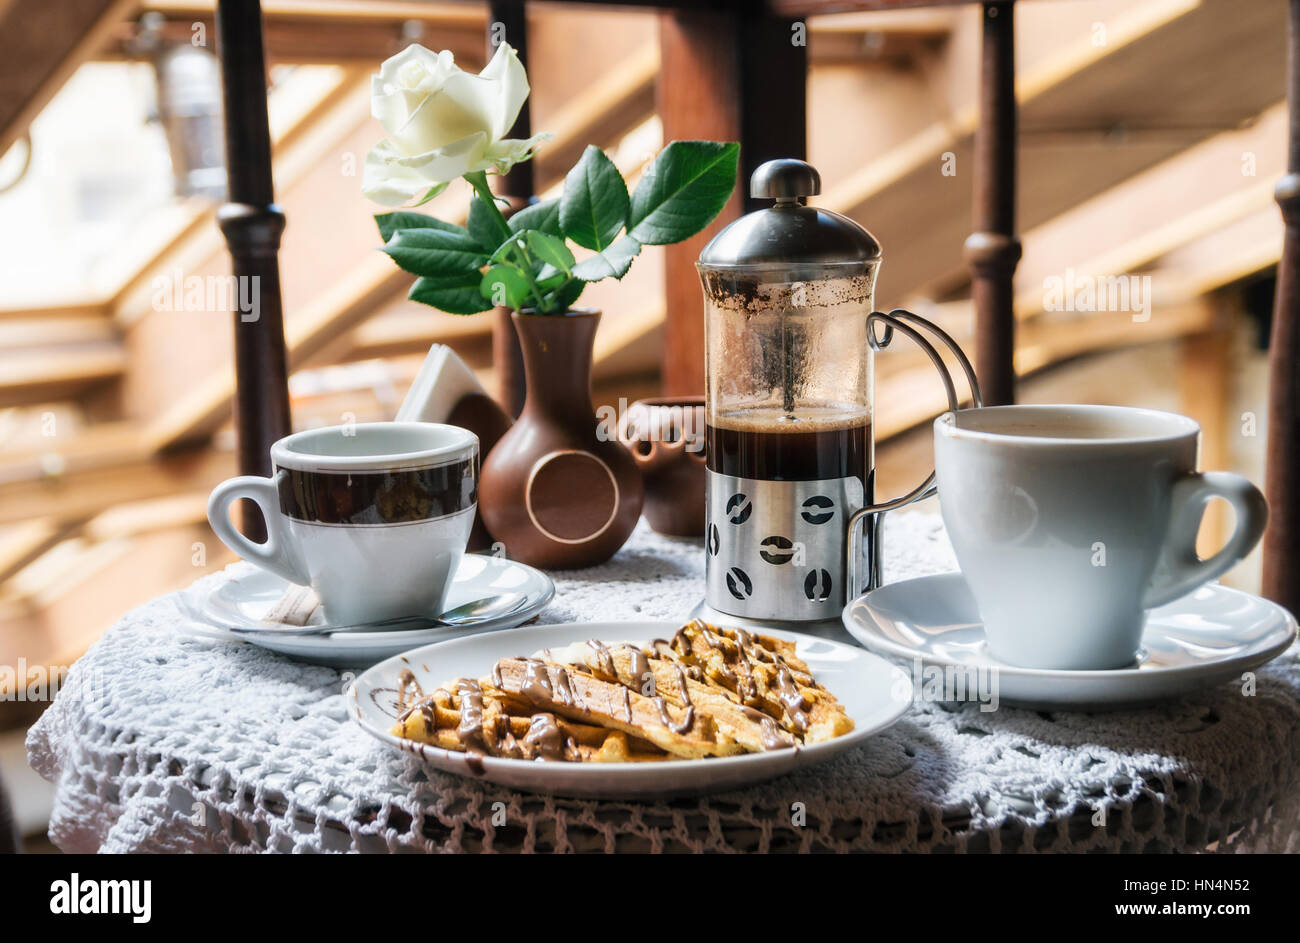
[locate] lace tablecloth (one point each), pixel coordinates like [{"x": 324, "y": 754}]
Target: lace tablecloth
[{"x": 163, "y": 742}]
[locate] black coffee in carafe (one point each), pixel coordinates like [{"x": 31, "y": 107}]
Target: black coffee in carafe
[{"x": 768, "y": 444}]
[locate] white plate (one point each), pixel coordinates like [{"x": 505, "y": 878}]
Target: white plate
[
  {"x": 874, "y": 693},
  {"x": 243, "y": 600},
  {"x": 1209, "y": 636}
]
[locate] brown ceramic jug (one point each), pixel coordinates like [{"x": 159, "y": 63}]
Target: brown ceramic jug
[
  {"x": 666, "y": 437},
  {"x": 557, "y": 491}
]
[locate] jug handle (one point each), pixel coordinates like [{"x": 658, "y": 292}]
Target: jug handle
[{"x": 902, "y": 320}]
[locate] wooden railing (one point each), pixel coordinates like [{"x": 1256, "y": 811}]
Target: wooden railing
[{"x": 732, "y": 71}]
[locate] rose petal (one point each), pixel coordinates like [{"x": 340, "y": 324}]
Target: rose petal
[
  {"x": 509, "y": 74},
  {"x": 505, "y": 154},
  {"x": 456, "y": 112},
  {"x": 385, "y": 181},
  {"x": 445, "y": 164},
  {"x": 405, "y": 81}
]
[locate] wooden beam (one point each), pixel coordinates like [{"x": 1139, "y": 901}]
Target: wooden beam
[
  {"x": 414, "y": 332},
  {"x": 35, "y": 376},
  {"x": 993, "y": 249},
  {"x": 699, "y": 51},
  {"x": 191, "y": 241},
  {"x": 911, "y": 208},
  {"x": 76, "y": 312},
  {"x": 1043, "y": 343},
  {"x": 143, "y": 517},
  {"x": 1241, "y": 248},
  {"x": 35, "y": 333},
  {"x": 79, "y": 493},
  {"x": 41, "y": 45},
  {"x": 349, "y": 302},
  {"x": 105, "y": 580},
  {"x": 755, "y": 75},
  {"x": 334, "y": 32},
  {"x": 1148, "y": 216},
  {"x": 28, "y": 541},
  {"x": 1206, "y": 392},
  {"x": 606, "y": 110},
  {"x": 1281, "y": 578},
  {"x": 800, "y": 8}
]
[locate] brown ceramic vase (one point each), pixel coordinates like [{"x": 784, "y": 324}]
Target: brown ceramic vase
[{"x": 554, "y": 491}]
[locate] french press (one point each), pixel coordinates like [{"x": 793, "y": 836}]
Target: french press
[{"x": 793, "y": 532}]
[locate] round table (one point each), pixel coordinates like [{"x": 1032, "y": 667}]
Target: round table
[{"x": 163, "y": 741}]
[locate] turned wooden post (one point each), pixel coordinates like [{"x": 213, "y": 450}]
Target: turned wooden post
[
  {"x": 727, "y": 75},
  {"x": 507, "y": 22},
  {"x": 252, "y": 225},
  {"x": 1281, "y": 581},
  {"x": 993, "y": 250}
]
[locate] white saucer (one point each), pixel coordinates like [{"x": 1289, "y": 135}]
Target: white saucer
[
  {"x": 873, "y": 692},
  {"x": 1209, "y": 636},
  {"x": 241, "y": 601}
]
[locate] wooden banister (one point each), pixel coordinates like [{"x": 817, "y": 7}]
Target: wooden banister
[
  {"x": 993, "y": 250},
  {"x": 252, "y": 225},
  {"x": 508, "y": 22},
  {"x": 1281, "y": 577}
]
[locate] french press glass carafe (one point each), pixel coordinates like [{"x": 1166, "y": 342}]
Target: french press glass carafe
[{"x": 792, "y": 533}]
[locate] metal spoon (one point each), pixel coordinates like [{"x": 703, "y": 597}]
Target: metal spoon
[{"x": 479, "y": 610}]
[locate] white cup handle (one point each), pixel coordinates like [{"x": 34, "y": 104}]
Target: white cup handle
[
  {"x": 1180, "y": 570},
  {"x": 275, "y": 554}
]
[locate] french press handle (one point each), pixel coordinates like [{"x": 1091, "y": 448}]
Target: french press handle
[{"x": 902, "y": 320}]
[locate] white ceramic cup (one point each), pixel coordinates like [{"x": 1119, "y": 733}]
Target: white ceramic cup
[
  {"x": 373, "y": 516},
  {"x": 1069, "y": 522}
]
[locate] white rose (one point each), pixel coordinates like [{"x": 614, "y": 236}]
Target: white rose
[{"x": 443, "y": 123}]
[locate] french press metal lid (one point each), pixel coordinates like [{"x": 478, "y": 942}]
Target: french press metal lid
[{"x": 790, "y": 234}]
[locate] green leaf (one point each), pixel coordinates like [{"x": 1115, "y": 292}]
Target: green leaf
[
  {"x": 455, "y": 294},
  {"x": 550, "y": 249},
  {"x": 683, "y": 190},
  {"x": 549, "y": 277},
  {"x": 503, "y": 285},
  {"x": 482, "y": 224},
  {"x": 436, "y": 252},
  {"x": 613, "y": 262},
  {"x": 544, "y": 217},
  {"x": 594, "y": 207},
  {"x": 389, "y": 223},
  {"x": 503, "y": 250},
  {"x": 566, "y": 295}
]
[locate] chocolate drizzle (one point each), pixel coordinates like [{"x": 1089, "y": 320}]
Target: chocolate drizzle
[
  {"x": 791, "y": 698},
  {"x": 640, "y": 667},
  {"x": 774, "y": 738},
  {"x": 544, "y": 740},
  {"x": 470, "y": 730},
  {"x": 537, "y": 683},
  {"x": 678, "y": 727},
  {"x": 604, "y": 658},
  {"x": 738, "y": 672},
  {"x": 406, "y": 683}
]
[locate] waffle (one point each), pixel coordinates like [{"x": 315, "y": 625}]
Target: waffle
[{"x": 706, "y": 692}]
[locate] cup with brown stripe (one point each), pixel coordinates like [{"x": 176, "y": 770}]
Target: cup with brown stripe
[{"x": 373, "y": 516}]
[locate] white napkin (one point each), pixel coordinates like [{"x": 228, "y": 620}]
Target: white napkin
[{"x": 443, "y": 381}]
